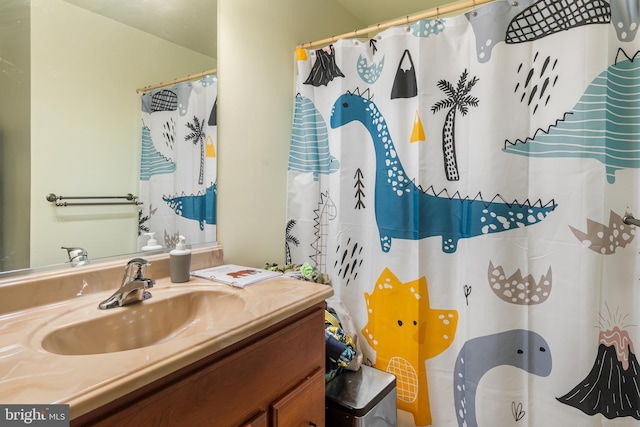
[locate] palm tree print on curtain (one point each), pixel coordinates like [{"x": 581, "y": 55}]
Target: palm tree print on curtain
[
  {"x": 197, "y": 136},
  {"x": 458, "y": 99}
]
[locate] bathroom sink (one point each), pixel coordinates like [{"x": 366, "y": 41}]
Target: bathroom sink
[{"x": 144, "y": 324}]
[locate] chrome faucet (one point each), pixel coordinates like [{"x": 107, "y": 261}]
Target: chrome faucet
[
  {"x": 77, "y": 256},
  {"x": 133, "y": 287}
]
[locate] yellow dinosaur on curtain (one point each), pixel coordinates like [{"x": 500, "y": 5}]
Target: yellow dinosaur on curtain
[{"x": 405, "y": 331}]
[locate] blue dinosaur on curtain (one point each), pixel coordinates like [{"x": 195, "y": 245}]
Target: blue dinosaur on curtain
[{"x": 458, "y": 163}]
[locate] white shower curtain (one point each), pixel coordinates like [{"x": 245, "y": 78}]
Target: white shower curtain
[
  {"x": 463, "y": 182},
  {"x": 178, "y": 163}
]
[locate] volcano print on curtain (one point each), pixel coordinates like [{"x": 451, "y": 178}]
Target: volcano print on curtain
[{"x": 464, "y": 181}]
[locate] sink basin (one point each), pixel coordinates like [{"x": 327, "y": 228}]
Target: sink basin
[{"x": 151, "y": 322}]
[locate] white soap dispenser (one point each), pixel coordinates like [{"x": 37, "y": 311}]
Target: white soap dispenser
[
  {"x": 152, "y": 244},
  {"x": 180, "y": 262}
]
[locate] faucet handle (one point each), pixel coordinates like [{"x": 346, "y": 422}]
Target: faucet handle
[
  {"x": 140, "y": 261},
  {"x": 135, "y": 268}
]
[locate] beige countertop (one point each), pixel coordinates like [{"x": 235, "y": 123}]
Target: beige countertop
[{"x": 216, "y": 316}]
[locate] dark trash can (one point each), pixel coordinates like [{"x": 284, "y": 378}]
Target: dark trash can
[{"x": 366, "y": 397}]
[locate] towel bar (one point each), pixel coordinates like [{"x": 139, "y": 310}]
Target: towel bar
[{"x": 131, "y": 200}]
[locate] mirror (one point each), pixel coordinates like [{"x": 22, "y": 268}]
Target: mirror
[
  {"x": 70, "y": 114},
  {"x": 45, "y": 148}
]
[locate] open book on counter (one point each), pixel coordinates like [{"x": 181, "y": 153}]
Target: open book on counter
[{"x": 235, "y": 275}]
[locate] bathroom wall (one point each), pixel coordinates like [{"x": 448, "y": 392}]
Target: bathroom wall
[
  {"x": 256, "y": 46},
  {"x": 85, "y": 123}
]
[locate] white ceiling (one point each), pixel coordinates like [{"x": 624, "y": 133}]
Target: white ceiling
[
  {"x": 193, "y": 23},
  {"x": 189, "y": 23}
]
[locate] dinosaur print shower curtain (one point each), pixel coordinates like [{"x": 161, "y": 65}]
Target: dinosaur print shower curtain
[
  {"x": 467, "y": 184},
  {"x": 178, "y": 163}
]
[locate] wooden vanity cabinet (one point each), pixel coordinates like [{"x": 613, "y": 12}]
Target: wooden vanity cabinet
[
  {"x": 260, "y": 420},
  {"x": 274, "y": 378}
]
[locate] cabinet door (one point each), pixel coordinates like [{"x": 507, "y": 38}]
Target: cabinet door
[
  {"x": 301, "y": 406},
  {"x": 259, "y": 420}
]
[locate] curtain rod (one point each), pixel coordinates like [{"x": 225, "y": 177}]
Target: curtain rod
[
  {"x": 430, "y": 13},
  {"x": 178, "y": 80}
]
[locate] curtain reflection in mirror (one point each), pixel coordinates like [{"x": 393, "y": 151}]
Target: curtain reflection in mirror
[{"x": 178, "y": 169}]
